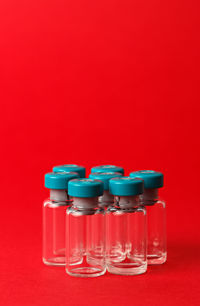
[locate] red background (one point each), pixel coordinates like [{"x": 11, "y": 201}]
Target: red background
[{"x": 98, "y": 82}]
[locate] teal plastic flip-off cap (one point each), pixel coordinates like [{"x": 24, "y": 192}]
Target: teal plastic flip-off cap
[
  {"x": 85, "y": 188},
  {"x": 70, "y": 167},
  {"x": 152, "y": 179},
  {"x": 126, "y": 186},
  {"x": 59, "y": 180},
  {"x": 104, "y": 177},
  {"x": 107, "y": 168}
]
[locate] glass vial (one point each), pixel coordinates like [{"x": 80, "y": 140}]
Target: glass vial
[
  {"x": 54, "y": 210},
  {"x": 106, "y": 199},
  {"x": 156, "y": 215},
  {"x": 126, "y": 228},
  {"x": 107, "y": 168},
  {"x": 70, "y": 167},
  {"x": 85, "y": 230}
]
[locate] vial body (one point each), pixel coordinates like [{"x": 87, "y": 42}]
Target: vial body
[
  {"x": 156, "y": 214},
  {"x": 54, "y": 232},
  {"x": 156, "y": 232},
  {"x": 126, "y": 237},
  {"x": 85, "y": 240}
]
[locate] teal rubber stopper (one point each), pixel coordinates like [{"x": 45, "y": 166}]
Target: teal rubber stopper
[
  {"x": 104, "y": 177},
  {"x": 59, "y": 180},
  {"x": 152, "y": 179},
  {"x": 107, "y": 168},
  {"x": 85, "y": 188},
  {"x": 70, "y": 167},
  {"x": 126, "y": 186}
]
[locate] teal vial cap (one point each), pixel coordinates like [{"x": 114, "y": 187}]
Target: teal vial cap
[
  {"x": 152, "y": 179},
  {"x": 104, "y": 177},
  {"x": 107, "y": 168},
  {"x": 85, "y": 188},
  {"x": 59, "y": 180},
  {"x": 126, "y": 186},
  {"x": 70, "y": 167}
]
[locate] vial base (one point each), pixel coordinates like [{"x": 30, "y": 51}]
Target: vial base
[
  {"x": 86, "y": 267},
  {"x": 86, "y": 272},
  {"x": 55, "y": 261},
  {"x": 116, "y": 253},
  {"x": 127, "y": 268},
  {"x": 156, "y": 259}
]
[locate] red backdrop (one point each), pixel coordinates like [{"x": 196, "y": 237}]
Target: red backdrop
[{"x": 98, "y": 82}]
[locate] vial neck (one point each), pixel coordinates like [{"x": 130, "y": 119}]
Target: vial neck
[
  {"x": 150, "y": 196},
  {"x": 128, "y": 201},
  {"x": 59, "y": 195},
  {"x": 106, "y": 199},
  {"x": 85, "y": 203}
]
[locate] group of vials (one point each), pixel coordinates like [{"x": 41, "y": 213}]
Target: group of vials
[{"x": 105, "y": 222}]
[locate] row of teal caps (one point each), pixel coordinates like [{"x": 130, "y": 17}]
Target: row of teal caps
[{"x": 107, "y": 177}]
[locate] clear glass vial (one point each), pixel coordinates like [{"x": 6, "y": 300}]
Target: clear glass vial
[
  {"x": 106, "y": 199},
  {"x": 156, "y": 215},
  {"x": 107, "y": 168},
  {"x": 70, "y": 167},
  {"x": 85, "y": 230},
  {"x": 126, "y": 228},
  {"x": 54, "y": 210}
]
